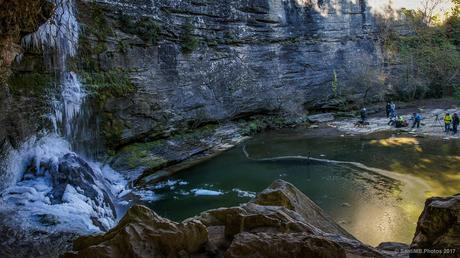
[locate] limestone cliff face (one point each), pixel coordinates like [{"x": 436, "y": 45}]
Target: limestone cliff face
[
  {"x": 194, "y": 62},
  {"x": 155, "y": 67}
]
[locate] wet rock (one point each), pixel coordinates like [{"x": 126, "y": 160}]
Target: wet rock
[
  {"x": 141, "y": 162},
  {"x": 74, "y": 171},
  {"x": 142, "y": 233},
  {"x": 438, "y": 226},
  {"x": 73, "y": 179},
  {"x": 321, "y": 118},
  {"x": 20, "y": 242},
  {"x": 48, "y": 219}
]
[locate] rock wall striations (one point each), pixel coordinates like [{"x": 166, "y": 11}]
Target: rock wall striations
[{"x": 189, "y": 63}]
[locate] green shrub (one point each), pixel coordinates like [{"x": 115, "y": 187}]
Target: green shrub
[
  {"x": 107, "y": 84},
  {"x": 429, "y": 56},
  {"x": 146, "y": 29},
  {"x": 188, "y": 41},
  {"x": 32, "y": 84}
]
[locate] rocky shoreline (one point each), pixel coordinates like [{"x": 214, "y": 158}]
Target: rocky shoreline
[
  {"x": 431, "y": 125},
  {"x": 280, "y": 222},
  {"x": 153, "y": 161}
]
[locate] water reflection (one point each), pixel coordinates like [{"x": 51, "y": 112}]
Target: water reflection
[{"x": 377, "y": 193}]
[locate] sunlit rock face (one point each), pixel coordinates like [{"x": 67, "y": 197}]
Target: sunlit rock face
[
  {"x": 251, "y": 57},
  {"x": 438, "y": 227}
]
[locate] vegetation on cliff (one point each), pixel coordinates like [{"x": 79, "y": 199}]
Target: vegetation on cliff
[{"x": 428, "y": 53}]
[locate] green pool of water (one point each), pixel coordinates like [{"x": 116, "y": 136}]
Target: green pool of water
[{"x": 378, "y": 199}]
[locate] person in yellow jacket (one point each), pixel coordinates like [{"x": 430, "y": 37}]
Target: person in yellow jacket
[{"x": 447, "y": 122}]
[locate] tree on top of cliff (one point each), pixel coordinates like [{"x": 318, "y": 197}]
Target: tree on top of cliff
[{"x": 426, "y": 54}]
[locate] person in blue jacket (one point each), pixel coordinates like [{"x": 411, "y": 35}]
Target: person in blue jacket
[{"x": 417, "y": 118}]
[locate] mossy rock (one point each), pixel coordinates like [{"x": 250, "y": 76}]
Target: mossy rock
[
  {"x": 108, "y": 84},
  {"x": 154, "y": 155},
  {"x": 257, "y": 124},
  {"x": 112, "y": 130},
  {"x": 145, "y": 28},
  {"x": 140, "y": 155},
  {"x": 31, "y": 84}
]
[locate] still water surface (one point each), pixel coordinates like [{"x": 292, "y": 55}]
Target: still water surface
[{"x": 377, "y": 197}]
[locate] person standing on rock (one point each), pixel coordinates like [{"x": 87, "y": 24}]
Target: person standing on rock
[
  {"x": 388, "y": 109},
  {"x": 417, "y": 118},
  {"x": 393, "y": 108},
  {"x": 363, "y": 114},
  {"x": 447, "y": 122},
  {"x": 455, "y": 122}
]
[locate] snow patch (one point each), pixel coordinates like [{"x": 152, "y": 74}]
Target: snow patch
[
  {"x": 206, "y": 192},
  {"x": 169, "y": 183},
  {"x": 147, "y": 195}
]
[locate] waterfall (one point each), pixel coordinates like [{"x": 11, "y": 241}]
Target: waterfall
[
  {"x": 68, "y": 107},
  {"x": 59, "y": 36},
  {"x": 48, "y": 185}
]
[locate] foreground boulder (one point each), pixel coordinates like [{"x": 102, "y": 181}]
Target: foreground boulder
[
  {"x": 283, "y": 245},
  {"x": 142, "y": 233},
  {"x": 438, "y": 227},
  {"x": 284, "y": 194},
  {"x": 280, "y": 222}
]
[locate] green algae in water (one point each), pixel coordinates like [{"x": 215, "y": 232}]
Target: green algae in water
[{"x": 378, "y": 199}]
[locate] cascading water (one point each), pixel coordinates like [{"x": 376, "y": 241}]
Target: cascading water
[{"x": 49, "y": 186}]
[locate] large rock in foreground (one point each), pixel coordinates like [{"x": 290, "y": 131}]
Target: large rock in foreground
[
  {"x": 280, "y": 222},
  {"x": 142, "y": 233},
  {"x": 439, "y": 225},
  {"x": 283, "y": 194}
]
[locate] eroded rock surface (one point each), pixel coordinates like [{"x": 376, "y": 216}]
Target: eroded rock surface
[
  {"x": 281, "y": 245},
  {"x": 142, "y": 233},
  {"x": 280, "y": 222},
  {"x": 439, "y": 225}
]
